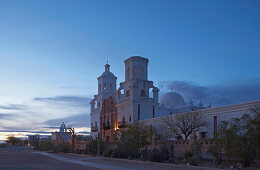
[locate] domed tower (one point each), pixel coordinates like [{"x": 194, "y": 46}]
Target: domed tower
[
  {"x": 172, "y": 100},
  {"x": 106, "y": 88},
  {"x": 107, "y": 82},
  {"x": 63, "y": 128}
]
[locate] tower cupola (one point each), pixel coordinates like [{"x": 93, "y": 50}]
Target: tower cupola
[{"x": 107, "y": 81}]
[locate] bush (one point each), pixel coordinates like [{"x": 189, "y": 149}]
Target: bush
[
  {"x": 45, "y": 146},
  {"x": 61, "y": 148},
  {"x": 107, "y": 153},
  {"x": 144, "y": 154},
  {"x": 165, "y": 152},
  {"x": 193, "y": 161},
  {"x": 155, "y": 156},
  {"x": 118, "y": 153},
  {"x": 173, "y": 160},
  {"x": 187, "y": 156}
]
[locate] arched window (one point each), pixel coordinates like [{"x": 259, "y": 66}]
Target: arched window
[
  {"x": 105, "y": 86},
  {"x": 127, "y": 93},
  {"x": 143, "y": 93},
  {"x": 108, "y": 123}
]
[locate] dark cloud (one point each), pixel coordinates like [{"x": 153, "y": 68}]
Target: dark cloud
[
  {"x": 3, "y": 115},
  {"x": 24, "y": 131},
  {"x": 234, "y": 92},
  {"x": 13, "y": 107},
  {"x": 52, "y": 127},
  {"x": 76, "y": 121},
  {"x": 72, "y": 100}
]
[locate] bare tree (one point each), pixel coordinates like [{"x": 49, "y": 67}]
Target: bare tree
[
  {"x": 182, "y": 125},
  {"x": 73, "y": 135}
]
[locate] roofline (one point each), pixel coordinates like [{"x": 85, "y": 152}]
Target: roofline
[
  {"x": 207, "y": 110},
  {"x": 136, "y": 58}
]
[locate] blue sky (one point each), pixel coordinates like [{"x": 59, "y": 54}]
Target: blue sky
[{"x": 51, "y": 53}]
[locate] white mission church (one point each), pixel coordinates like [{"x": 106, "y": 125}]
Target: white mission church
[{"x": 136, "y": 100}]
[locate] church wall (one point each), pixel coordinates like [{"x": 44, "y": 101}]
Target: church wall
[
  {"x": 137, "y": 85},
  {"x": 146, "y": 110},
  {"x": 125, "y": 111},
  {"x": 221, "y": 113}
]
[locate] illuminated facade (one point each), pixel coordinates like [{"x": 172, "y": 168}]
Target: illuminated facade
[{"x": 136, "y": 99}]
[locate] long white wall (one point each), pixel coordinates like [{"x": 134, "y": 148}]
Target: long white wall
[{"x": 222, "y": 113}]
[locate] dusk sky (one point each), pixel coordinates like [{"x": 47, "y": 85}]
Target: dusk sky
[{"x": 51, "y": 53}]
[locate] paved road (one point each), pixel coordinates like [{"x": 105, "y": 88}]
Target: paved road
[
  {"x": 27, "y": 160},
  {"x": 119, "y": 164},
  {"x": 24, "y": 160}
]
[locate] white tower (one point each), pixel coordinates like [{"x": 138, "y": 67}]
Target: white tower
[
  {"x": 106, "y": 88},
  {"x": 133, "y": 98}
]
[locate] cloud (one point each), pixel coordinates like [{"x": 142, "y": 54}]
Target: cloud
[
  {"x": 233, "y": 92},
  {"x": 25, "y": 131},
  {"x": 13, "y": 107},
  {"x": 72, "y": 100},
  {"x": 76, "y": 121},
  {"x": 51, "y": 127},
  {"x": 4, "y": 115}
]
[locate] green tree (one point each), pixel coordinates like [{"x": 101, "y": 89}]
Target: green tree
[
  {"x": 217, "y": 149},
  {"x": 45, "y": 145},
  {"x": 239, "y": 138},
  {"x": 133, "y": 138},
  {"x": 13, "y": 140}
]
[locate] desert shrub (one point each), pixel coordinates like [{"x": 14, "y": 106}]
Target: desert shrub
[
  {"x": 80, "y": 151},
  {"x": 4, "y": 145},
  {"x": 107, "y": 153},
  {"x": 61, "y": 148},
  {"x": 119, "y": 153},
  {"x": 173, "y": 160},
  {"x": 239, "y": 139},
  {"x": 144, "y": 154},
  {"x": 165, "y": 152},
  {"x": 155, "y": 156},
  {"x": 92, "y": 146},
  {"x": 132, "y": 139},
  {"x": 193, "y": 161},
  {"x": 187, "y": 155},
  {"x": 193, "y": 154},
  {"x": 45, "y": 146}
]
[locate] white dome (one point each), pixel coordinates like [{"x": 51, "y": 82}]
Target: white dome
[{"x": 172, "y": 99}]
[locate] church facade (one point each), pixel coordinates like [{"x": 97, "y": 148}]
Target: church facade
[{"x": 136, "y": 100}]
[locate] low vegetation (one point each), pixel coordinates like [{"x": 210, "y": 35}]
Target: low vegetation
[{"x": 238, "y": 139}]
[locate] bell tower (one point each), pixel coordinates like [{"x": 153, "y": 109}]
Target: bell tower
[
  {"x": 106, "y": 89},
  {"x": 134, "y": 101}
]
